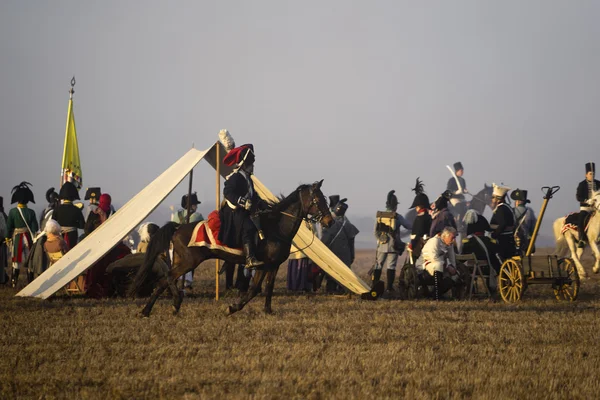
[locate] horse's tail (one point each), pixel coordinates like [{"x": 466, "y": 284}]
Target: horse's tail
[
  {"x": 159, "y": 243},
  {"x": 562, "y": 247}
]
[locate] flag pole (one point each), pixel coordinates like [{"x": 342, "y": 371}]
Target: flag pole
[
  {"x": 69, "y": 112},
  {"x": 189, "y": 208},
  {"x": 218, "y": 198}
]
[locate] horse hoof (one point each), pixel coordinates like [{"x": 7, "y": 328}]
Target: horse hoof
[
  {"x": 229, "y": 310},
  {"x": 144, "y": 314},
  {"x": 269, "y": 312},
  {"x": 175, "y": 310}
]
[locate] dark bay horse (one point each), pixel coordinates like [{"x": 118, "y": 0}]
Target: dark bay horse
[{"x": 280, "y": 224}]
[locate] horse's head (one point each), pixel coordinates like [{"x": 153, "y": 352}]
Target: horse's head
[
  {"x": 314, "y": 204},
  {"x": 481, "y": 199}
]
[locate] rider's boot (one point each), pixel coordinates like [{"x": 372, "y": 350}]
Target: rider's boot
[
  {"x": 251, "y": 260},
  {"x": 376, "y": 276},
  {"x": 391, "y": 275},
  {"x": 437, "y": 279}
]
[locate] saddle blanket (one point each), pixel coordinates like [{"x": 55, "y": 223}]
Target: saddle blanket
[
  {"x": 571, "y": 223},
  {"x": 206, "y": 234}
]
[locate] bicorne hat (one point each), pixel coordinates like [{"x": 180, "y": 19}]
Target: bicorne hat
[
  {"x": 340, "y": 208},
  {"x": 520, "y": 195},
  {"x": 243, "y": 155},
  {"x": 51, "y": 196},
  {"x": 458, "y": 166},
  {"x": 590, "y": 167},
  {"x": 92, "y": 193},
  {"x": 392, "y": 200},
  {"x": 22, "y": 194},
  {"x": 421, "y": 198},
  {"x": 68, "y": 191},
  {"x": 442, "y": 201},
  {"x": 194, "y": 200}
]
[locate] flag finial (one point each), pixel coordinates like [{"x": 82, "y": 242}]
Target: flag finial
[{"x": 72, "y": 87}]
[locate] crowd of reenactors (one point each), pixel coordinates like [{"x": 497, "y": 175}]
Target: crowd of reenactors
[{"x": 432, "y": 246}]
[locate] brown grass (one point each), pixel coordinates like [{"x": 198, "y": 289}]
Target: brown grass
[{"x": 318, "y": 347}]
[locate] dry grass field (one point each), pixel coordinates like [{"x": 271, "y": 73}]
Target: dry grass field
[{"x": 311, "y": 347}]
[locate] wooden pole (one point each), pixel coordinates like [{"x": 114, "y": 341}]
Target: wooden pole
[
  {"x": 187, "y": 218},
  {"x": 218, "y": 199}
]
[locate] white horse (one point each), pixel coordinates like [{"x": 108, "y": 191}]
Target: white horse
[{"x": 569, "y": 239}]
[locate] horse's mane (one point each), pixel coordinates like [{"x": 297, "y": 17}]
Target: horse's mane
[{"x": 285, "y": 201}]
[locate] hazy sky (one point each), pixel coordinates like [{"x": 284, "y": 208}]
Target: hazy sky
[{"x": 368, "y": 95}]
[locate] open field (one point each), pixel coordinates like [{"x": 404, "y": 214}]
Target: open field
[{"x": 311, "y": 347}]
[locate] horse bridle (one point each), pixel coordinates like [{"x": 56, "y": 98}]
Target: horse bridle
[{"x": 314, "y": 218}]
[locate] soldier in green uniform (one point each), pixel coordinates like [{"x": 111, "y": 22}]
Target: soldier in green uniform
[{"x": 21, "y": 226}]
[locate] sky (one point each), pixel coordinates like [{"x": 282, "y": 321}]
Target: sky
[{"x": 366, "y": 95}]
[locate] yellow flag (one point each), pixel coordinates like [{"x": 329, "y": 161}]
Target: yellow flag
[{"x": 71, "y": 165}]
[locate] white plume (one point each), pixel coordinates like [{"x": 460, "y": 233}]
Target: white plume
[
  {"x": 226, "y": 139},
  {"x": 471, "y": 217},
  {"x": 143, "y": 232}
]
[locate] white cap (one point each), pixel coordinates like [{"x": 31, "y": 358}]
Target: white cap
[{"x": 499, "y": 191}]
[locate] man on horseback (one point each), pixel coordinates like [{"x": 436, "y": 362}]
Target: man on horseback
[
  {"x": 585, "y": 190},
  {"x": 503, "y": 223},
  {"x": 458, "y": 188},
  {"x": 241, "y": 204}
]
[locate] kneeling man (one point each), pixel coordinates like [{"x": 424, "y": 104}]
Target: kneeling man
[{"x": 438, "y": 262}]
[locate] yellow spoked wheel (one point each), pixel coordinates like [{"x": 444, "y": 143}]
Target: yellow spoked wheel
[
  {"x": 567, "y": 288},
  {"x": 510, "y": 281}
]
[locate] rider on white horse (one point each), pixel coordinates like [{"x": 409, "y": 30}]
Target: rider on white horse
[{"x": 585, "y": 191}]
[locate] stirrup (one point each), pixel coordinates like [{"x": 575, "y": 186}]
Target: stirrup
[{"x": 252, "y": 262}]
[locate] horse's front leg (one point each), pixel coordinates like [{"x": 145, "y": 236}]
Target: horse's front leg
[
  {"x": 250, "y": 294},
  {"x": 160, "y": 287},
  {"x": 575, "y": 254},
  {"x": 271, "y": 275}
]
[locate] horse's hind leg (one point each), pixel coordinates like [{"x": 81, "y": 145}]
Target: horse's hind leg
[
  {"x": 271, "y": 275},
  {"x": 252, "y": 292},
  {"x": 575, "y": 254}
]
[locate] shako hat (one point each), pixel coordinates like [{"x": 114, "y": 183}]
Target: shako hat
[
  {"x": 458, "y": 166},
  {"x": 392, "y": 200},
  {"x": 499, "y": 191},
  {"x": 51, "y": 196},
  {"x": 68, "y": 191},
  {"x": 22, "y": 194},
  {"x": 590, "y": 167},
  {"x": 194, "y": 200},
  {"x": 520, "y": 195},
  {"x": 243, "y": 155},
  {"x": 421, "y": 198},
  {"x": 92, "y": 193}
]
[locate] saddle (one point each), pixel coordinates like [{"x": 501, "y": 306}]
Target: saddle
[
  {"x": 206, "y": 234},
  {"x": 572, "y": 222}
]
